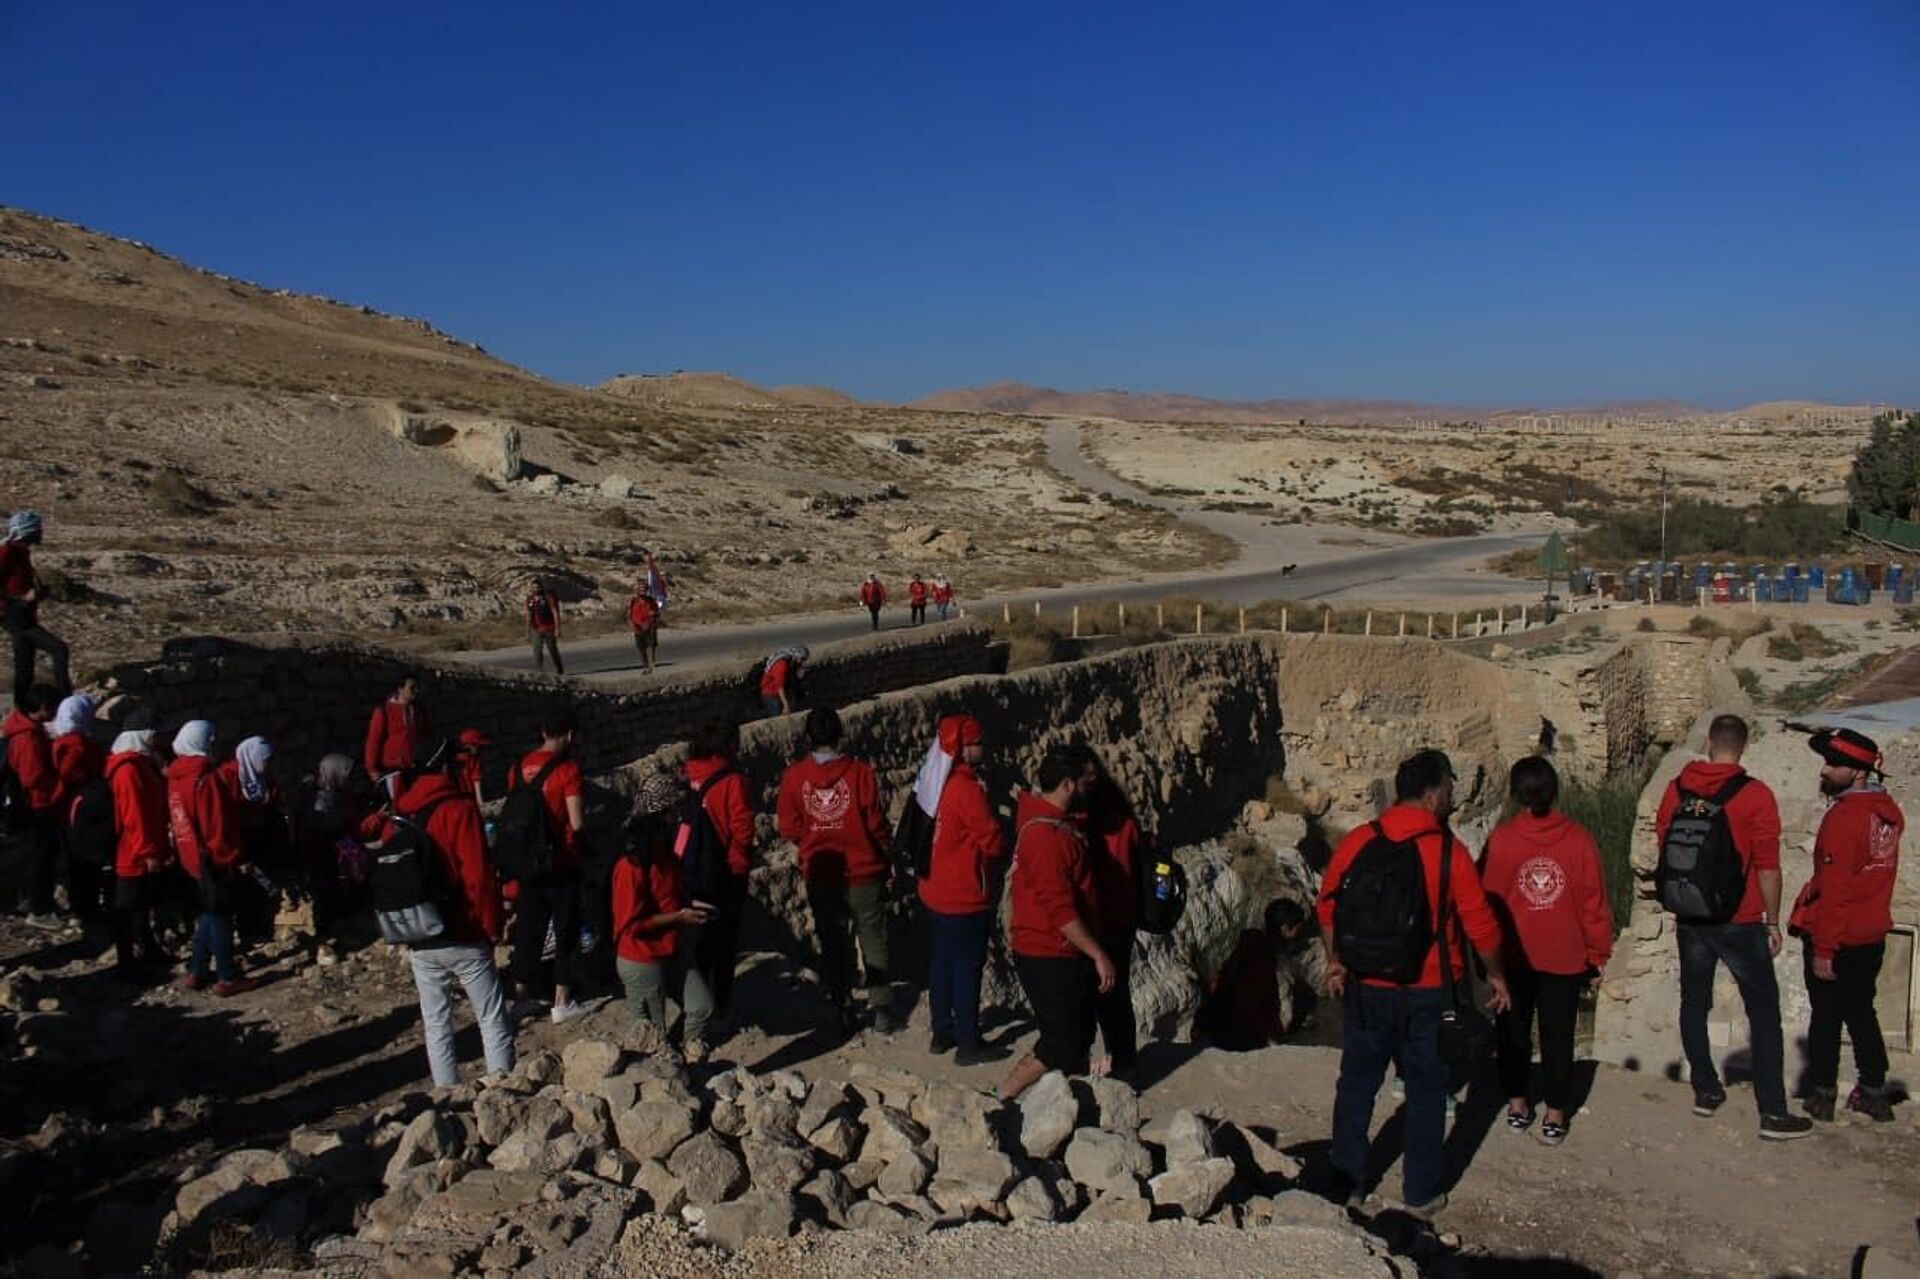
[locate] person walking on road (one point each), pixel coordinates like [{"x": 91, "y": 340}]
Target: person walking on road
[
  {"x": 958, "y": 890},
  {"x": 543, "y": 626},
  {"x": 873, "y": 597},
  {"x": 1716, "y": 811},
  {"x": 917, "y": 600},
  {"x": 1388, "y": 974},
  {"x": 1542, "y": 876},
  {"x": 643, "y": 615},
  {"x": 942, "y": 597},
  {"x": 21, "y": 593},
  {"x": 1842, "y": 917},
  {"x": 830, "y": 808}
]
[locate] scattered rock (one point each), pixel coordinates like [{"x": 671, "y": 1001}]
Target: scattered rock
[
  {"x": 1115, "y": 1105},
  {"x": 1031, "y": 1200},
  {"x": 1188, "y": 1140},
  {"x": 1193, "y": 1188},
  {"x": 837, "y": 1139},
  {"x": 585, "y": 1062},
  {"x": 759, "y": 1214},
  {"x": 709, "y": 1169},
  {"x": 1124, "y": 1203},
  {"x": 653, "y": 1129},
  {"x": 958, "y": 1117},
  {"x": 890, "y": 1134},
  {"x": 432, "y": 1135},
  {"x": 1101, "y": 1160},
  {"x": 666, "y": 1194},
  {"x": 1048, "y": 1114},
  {"x": 905, "y": 1175},
  {"x": 616, "y": 487}
]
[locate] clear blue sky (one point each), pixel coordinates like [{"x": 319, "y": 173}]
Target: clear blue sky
[{"x": 1492, "y": 202}]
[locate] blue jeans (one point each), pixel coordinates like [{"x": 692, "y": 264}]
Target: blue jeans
[
  {"x": 1399, "y": 1026},
  {"x": 213, "y": 934},
  {"x": 436, "y": 970},
  {"x": 953, "y": 982},
  {"x": 1743, "y": 949}
]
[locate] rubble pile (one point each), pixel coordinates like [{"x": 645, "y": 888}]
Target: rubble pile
[{"x": 539, "y": 1170}]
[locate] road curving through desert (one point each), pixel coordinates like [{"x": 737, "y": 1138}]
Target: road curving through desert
[{"x": 1334, "y": 562}]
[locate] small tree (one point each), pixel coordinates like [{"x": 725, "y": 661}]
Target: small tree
[{"x": 1886, "y": 470}]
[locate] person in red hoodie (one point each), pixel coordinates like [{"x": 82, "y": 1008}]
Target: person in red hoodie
[
  {"x": 30, "y": 760},
  {"x": 1542, "y": 875},
  {"x": 543, "y": 626},
  {"x": 1391, "y": 1022},
  {"x": 956, "y": 891},
  {"x": 141, "y": 851},
  {"x": 649, "y": 907},
  {"x": 1055, "y": 923},
  {"x": 1842, "y": 917},
  {"x": 873, "y": 597},
  {"x": 917, "y": 599},
  {"x": 554, "y": 898},
  {"x": 435, "y": 802},
  {"x": 394, "y": 732},
  {"x": 942, "y": 597},
  {"x": 643, "y": 615},
  {"x": 21, "y": 593},
  {"x": 829, "y": 807},
  {"x": 712, "y": 945},
  {"x": 205, "y": 827},
  {"x": 780, "y": 680},
  {"x": 1117, "y": 847},
  {"x": 1745, "y": 943},
  {"x": 80, "y": 761}
]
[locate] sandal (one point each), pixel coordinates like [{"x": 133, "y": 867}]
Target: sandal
[
  {"x": 1552, "y": 1134},
  {"x": 1519, "y": 1122}
]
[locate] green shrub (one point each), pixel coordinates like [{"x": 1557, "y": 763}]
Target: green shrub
[
  {"x": 1608, "y": 809},
  {"x": 1780, "y": 526}
]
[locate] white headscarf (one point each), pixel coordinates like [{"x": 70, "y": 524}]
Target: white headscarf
[
  {"x": 134, "y": 739},
  {"x": 253, "y": 755},
  {"x": 74, "y": 716},
  {"x": 194, "y": 738}
]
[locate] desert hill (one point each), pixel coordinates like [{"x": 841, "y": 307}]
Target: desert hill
[{"x": 215, "y": 455}]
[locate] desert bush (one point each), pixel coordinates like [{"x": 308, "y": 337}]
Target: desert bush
[
  {"x": 175, "y": 494},
  {"x": 1608, "y": 809},
  {"x": 1646, "y": 625},
  {"x": 1777, "y": 527},
  {"x": 1749, "y": 682}
]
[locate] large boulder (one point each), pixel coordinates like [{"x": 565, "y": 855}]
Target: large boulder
[
  {"x": 759, "y": 1214},
  {"x": 490, "y": 450},
  {"x": 782, "y": 1167},
  {"x": 1114, "y": 1104},
  {"x": 958, "y": 1117},
  {"x": 1032, "y": 1200},
  {"x": 585, "y": 1062},
  {"x": 1188, "y": 1140},
  {"x": 890, "y": 1134},
  {"x": 905, "y": 1175},
  {"x": 431, "y": 1135}
]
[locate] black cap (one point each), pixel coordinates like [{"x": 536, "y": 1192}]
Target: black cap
[{"x": 1846, "y": 748}]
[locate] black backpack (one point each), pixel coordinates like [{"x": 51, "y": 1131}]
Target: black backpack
[
  {"x": 408, "y": 882},
  {"x": 703, "y": 854},
  {"x": 91, "y": 835},
  {"x": 1162, "y": 885},
  {"x": 1700, "y": 878},
  {"x": 913, "y": 839},
  {"x": 1382, "y": 919},
  {"x": 523, "y": 838}
]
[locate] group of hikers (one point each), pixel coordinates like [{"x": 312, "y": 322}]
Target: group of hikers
[
  {"x": 873, "y": 598},
  {"x": 1404, "y": 909},
  {"x": 165, "y": 843}
]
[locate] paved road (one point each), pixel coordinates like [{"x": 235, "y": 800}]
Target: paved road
[{"x": 1428, "y": 568}]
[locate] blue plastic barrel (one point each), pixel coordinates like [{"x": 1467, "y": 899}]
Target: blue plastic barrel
[
  {"x": 1817, "y": 576},
  {"x": 1802, "y": 590}
]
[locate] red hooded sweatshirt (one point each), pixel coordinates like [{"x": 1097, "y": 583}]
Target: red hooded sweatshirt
[
  {"x": 641, "y": 893},
  {"x": 393, "y": 731},
  {"x": 1856, "y": 854},
  {"x": 966, "y": 838},
  {"x": 139, "y": 813},
  {"x": 917, "y": 593},
  {"x": 726, "y": 803},
  {"x": 1543, "y": 874},
  {"x": 30, "y": 756},
  {"x": 472, "y": 913},
  {"x": 872, "y": 594},
  {"x": 1404, "y": 822},
  {"x": 77, "y": 760},
  {"x": 830, "y": 808},
  {"x": 1753, "y": 816},
  {"x": 1114, "y": 840},
  {"x": 200, "y": 813},
  {"x": 1052, "y": 883}
]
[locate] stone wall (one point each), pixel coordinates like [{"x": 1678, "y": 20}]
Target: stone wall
[
  {"x": 311, "y": 699},
  {"x": 1190, "y": 729}
]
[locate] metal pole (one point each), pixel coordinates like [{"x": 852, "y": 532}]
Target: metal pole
[
  {"x": 1076, "y": 621},
  {"x": 1199, "y": 619}
]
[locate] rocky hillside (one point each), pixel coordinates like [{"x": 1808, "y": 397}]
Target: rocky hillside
[{"x": 215, "y": 455}]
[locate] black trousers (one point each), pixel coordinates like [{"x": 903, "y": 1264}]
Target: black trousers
[
  {"x": 716, "y": 943},
  {"x": 1846, "y": 1000},
  {"x": 1114, "y": 1010},
  {"x": 873, "y": 610},
  {"x": 1553, "y": 1000},
  {"x": 133, "y": 939},
  {"x": 89, "y": 885},
  {"x": 41, "y": 839},
  {"x": 553, "y": 899},
  {"x": 28, "y": 642}
]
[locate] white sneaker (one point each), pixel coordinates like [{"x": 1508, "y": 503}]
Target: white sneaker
[{"x": 567, "y": 1012}]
